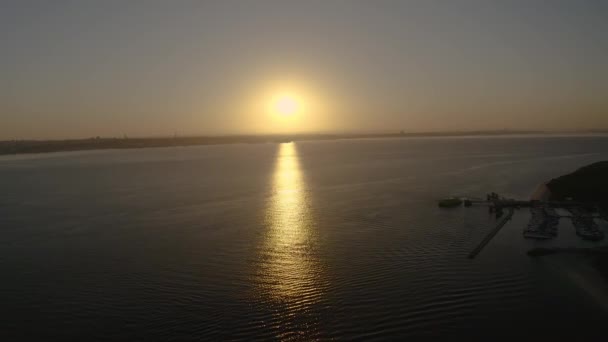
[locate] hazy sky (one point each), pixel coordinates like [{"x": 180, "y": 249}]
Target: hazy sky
[{"x": 85, "y": 68}]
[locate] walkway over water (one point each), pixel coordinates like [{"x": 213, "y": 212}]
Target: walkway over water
[{"x": 491, "y": 234}]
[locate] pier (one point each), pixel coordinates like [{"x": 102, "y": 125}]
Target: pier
[{"x": 492, "y": 233}]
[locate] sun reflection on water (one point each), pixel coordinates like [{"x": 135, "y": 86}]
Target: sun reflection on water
[{"x": 290, "y": 270}]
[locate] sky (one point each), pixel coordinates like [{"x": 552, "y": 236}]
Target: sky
[{"x": 76, "y": 69}]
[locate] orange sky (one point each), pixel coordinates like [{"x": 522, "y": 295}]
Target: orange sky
[{"x": 108, "y": 68}]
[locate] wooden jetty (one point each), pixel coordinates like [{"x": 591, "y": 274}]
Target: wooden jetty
[{"x": 492, "y": 233}]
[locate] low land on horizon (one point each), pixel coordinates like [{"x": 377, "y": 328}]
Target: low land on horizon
[{"x": 8, "y": 147}]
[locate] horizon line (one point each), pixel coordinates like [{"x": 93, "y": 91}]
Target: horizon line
[{"x": 378, "y": 133}]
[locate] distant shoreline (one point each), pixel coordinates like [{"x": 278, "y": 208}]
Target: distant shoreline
[{"x": 13, "y": 147}]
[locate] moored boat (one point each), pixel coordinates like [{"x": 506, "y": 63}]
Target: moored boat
[{"x": 450, "y": 202}]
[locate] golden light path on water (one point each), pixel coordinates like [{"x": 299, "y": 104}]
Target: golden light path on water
[{"x": 290, "y": 272}]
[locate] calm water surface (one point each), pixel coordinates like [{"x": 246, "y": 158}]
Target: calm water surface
[{"x": 309, "y": 240}]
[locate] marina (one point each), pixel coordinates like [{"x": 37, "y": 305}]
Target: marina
[
  {"x": 544, "y": 219},
  {"x": 543, "y": 223},
  {"x": 585, "y": 225}
]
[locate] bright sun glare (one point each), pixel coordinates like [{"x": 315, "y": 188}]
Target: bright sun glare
[{"x": 286, "y": 105}]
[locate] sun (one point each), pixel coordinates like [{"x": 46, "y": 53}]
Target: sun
[{"x": 286, "y": 105}]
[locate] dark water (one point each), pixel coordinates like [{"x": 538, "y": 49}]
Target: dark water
[{"x": 310, "y": 240}]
